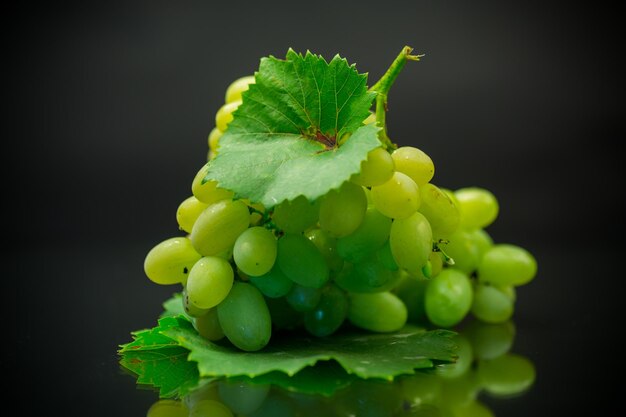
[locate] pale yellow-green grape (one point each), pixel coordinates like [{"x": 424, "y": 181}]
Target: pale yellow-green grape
[
  {"x": 463, "y": 363},
  {"x": 214, "y": 139},
  {"x": 170, "y": 261},
  {"x": 208, "y": 326},
  {"x": 483, "y": 241},
  {"x": 436, "y": 262},
  {"x": 411, "y": 243},
  {"x": 208, "y": 192},
  {"x": 168, "y": 408},
  {"x": 210, "y": 408},
  {"x": 491, "y": 305},
  {"x": 255, "y": 251},
  {"x": 490, "y": 340},
  {"x": 440, "y": 211},
  {"x": 297, "y": 215},
  {"x": 256, "y": 210},
  {"x": 219, "y": 226},
  {"x": 478, "y": 207},
  {"x": 376, "y": 169},
  {"x": 188, "y": 212},
  {"x": 397, "y": 198},
  {"x": 327, "y": 245},
  {"x": 463, "y": 249},
  {"x": 243, "y": 398},
  {"x": 506, "y": 375},
  {"x": 245, "y": 318},
  {"x": 225, "y": 114},
  {"x": 343, "y": 210},
  {"x": 378, "y": 312},
  {"x": 414, "y": 163},
  {"x": 237, "y": 87},
  {"x": 190, "y": 308},
  {"x": 504, "y": 265},
  {"x": 448, "y": 298},
  {"x": 209, "y": 282},
  {"x": 368, "y": 237},
  {"x": 509, "y": 290},
  {"x": 370, "y": 119},
  {"x": 473, "y": 409}
]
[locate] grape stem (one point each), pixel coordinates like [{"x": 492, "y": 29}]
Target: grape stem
[{"x": 382, "y": 87}]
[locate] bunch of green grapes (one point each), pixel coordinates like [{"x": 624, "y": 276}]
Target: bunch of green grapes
[
  {"x": 386, "y": 246},
  {"x": 485, "y": 365}
]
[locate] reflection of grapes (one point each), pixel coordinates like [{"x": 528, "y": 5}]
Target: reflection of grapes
[
  {"x": 385, "y": 247},
  {"x": 485, "y": 365}
]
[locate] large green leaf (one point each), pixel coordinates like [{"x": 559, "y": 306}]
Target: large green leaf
[{"x": 287, "y": 138}]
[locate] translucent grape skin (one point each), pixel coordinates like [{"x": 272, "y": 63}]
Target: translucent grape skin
[
  {"x": 368, "y": 237},
  {"x": 505, "y": 265},
  {"x": 491, "y": 305},
  {"x": 218, "y": 227},
  {"x": 329, "y": 313},
  {"x": 490, "y": 340},
  {"x": 411, "y": 243},
  {"x": 342, "y": 210},
  {"x": 210, "y": 280},
  {"x": 448, "y": 298},
  {"x": 170, "y": 261},
  {"x": 508, "y": 374},
  {"x": 245, "y": 318},
  {"x": 464, "y": 250},
  {"x": 225, "y": 115},
  {"x": 255, "y": 251},
  {"x": 299, "y": 259},
  {"x": 377, "y": 169},
  {"x": 440, "y": 211},
  {"x": 188, "y": 212},
  {"x": 274, "y": 284},
  {"x": 414, "y": 163},
  {"x": 237, "y": 87},
  {"x": 208, "y": 192},
  {"x": 303, "y": 299},
  {"x": 296, "y": 216},
  {"x": 327, "y": 245},
  {"x": 397, "y": 198},
  {"x": 378, "y": 312},
  {"x": 190, "y": 308},
  {"x": 478, "y": 207},
  {"x": 208, "y": 326},
  {"x": 367, "y": 276}
]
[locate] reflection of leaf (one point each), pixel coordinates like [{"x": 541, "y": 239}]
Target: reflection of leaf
[
  {"x": 166, "y": 368},
  {"x": 363, "y": 354}
]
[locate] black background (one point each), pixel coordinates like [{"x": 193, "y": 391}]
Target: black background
[{"x": 107, "y": 114}]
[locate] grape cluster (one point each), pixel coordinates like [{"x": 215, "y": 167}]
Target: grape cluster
[{"x": 386, "y": 247}]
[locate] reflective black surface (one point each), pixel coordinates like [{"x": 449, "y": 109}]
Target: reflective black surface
[{"x": 107, "y": 113}]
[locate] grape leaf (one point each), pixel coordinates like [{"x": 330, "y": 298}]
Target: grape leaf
[{"x": 287, "y": 137}]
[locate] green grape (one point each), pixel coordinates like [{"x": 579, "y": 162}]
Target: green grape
[
  {"x": 411, "y": 242},
  {"x": 168, "y": 408},
  {"x": 398, "y": 198},
  {"x": 414, "y": 163},
  {"x": 327, "y": 246},
  {"x": 214, "y": 139},
  {"x": 369, "y": 236},
  {"x": 304, "y": 299},
  {"x": 219, "y": 226},
  {"x": 509, "y": 291},
  {"x": 190, "y": 309},
  {"x": 296, "y": 216},
  {"x": 473, "y": 409},
  {"x": 255, "y": 251},
  {"x": 377, "y": 312},
  {"x": 505, "y": 265},
  {"x": 209, "y": 282},
  {"x": 376, "y": 169},
  {"x": 436, "y": 262},
  {"x": 188, "y": 213},
  {"x": 210, "y": 408},
  {"x": 274, "y": 284},
  {"x": 343, "y": 210},
  {"x": 463, "y": 249},
  {"x": 301, "y": 262},
  {"x": 482, "y": 240},
  {"x": 329, "y": 313},
  {"x": 460, "y": 391},
  {"x": 478, "y": 207},
  {"x": 411, "y": 291},
  {"x": 366, "y": 277},
  {"x": 237, "y": 87},
  {"x": 448, "y": 298},
  {"x": 282, "y": 314},
  {"x": 208, "y": 326},
  {"x": 245, "y": 318},
  {"x": 490, "y": 340},
  {"x": 508, "y": 374},
  {"x": 491, "y": 305},
  {"x": 208, "y": 192},
  {"x": 440, "y": 211},
  {"x": 421, "y": 388},
  {"x": 465, "y": 357},
  {"x": 385, "y": 257},
  {"x": 242, "y": 397},
  {"x": 169, "y": 262},
  {"x": 204, "y": 392},
  {"x": 225, "y": 115}
]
